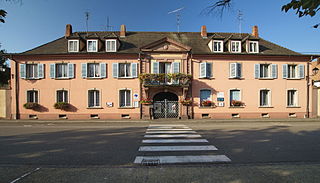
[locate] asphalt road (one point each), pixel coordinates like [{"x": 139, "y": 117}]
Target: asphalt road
[{"x": 83, "y": 146}]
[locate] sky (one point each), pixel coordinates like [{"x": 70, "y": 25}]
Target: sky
[{"x": 31, "y": 23}]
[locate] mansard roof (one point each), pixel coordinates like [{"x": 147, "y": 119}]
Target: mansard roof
[{"x": 134, "y": 41}]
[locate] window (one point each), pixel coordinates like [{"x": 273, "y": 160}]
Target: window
[
  {"x": 266, "y": 71},
  {"x": 61, "y": 70},
  {"x": 62, "y": 96},
  {"x": 235, "y": 46},
  {"x": 265, "y": 98},
  {"x": 235, "y": 70},
  {"x": 205, "y": 95},
  {"x": 92, "y": 45},
  {"x": 205, "y": 70},
  {"x": 73, "y": 45},
  {"x": 217, "y": 46},
  {"x": 111, "y": 45},
  {"x": 235, "y": 95},
  {"x": 124, "y": 70},
  {"x": 253, "y": 47},
  {"x": 293, "y": 71},
  {"x": 93, "y": 70},
  {"x": 93, "y": 98},
  {"x": 32, "y": 71},
  {"x": 165, "y": 67},
  {"x": 32, "y": 96},
  {"x": 292, "y": 98},
  {"x": 125, "y": 98}
]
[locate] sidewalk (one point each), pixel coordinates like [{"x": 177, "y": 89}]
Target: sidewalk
[{"x": 168, "y": 174}]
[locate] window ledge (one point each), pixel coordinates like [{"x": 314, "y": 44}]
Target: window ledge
[
  {"x": 267, "y": 78},
  {"x": 265, "y": 107},
  {"x": 98, "y": 107},
  {"x": 93, "y": 78},
  {"x": 237, "y": 107},
  {"x": 293, "y": 107},
  {"x": 61, "y": 78},
  {"x": 235, "y": 78},
  {"x": 207, "y": 78},
  {"x": 32, "y": 78},
  {"x": 126, "y": 78},
  {"x": 206, "y": 107},
  {"x": 294, "y": 78},
  {"x": 126, "y": 107}
]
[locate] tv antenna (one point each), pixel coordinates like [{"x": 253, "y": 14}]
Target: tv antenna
[
  {"x": 109, "y": 27},
  {"x": 87, "y": 14},
  {"x": 178, "y": 15},
  {"x": 240, "y": 19}
]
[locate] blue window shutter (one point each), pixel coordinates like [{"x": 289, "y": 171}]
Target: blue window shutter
[
  {"x": 23, "y": 71},
  {"x": 202, "y": 70},
  {"x": 239, "y": 70},
  {"x": 84, "y": 70},
  {"x": 40, "y": 71},
  {"x": 176, "y": 67},
  {"x": 52, "y": 70},
  {"x": 115, "y": 70},
  {"x": 134, "y": 70},
  {"x": 257, "y": 71},
  {"x": 232, "y": 72},
  {"x": 103, "y": 70},
  {"x": 209, "y": 70},
  {"x": 285, "y": 71},
  {"x": 274, "y": 71},
  {"x": 155, "y": 69},
  {"x": 71, "y": 70},
  {"x": 301, "y": 71}
]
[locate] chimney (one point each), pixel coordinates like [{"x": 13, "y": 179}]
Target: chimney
[
  {"x": 255, "y": 31},
  {"x": 204, "y": 32},
  {"x": 123, "y": 31},
  {"x": 68, "y": 30}
]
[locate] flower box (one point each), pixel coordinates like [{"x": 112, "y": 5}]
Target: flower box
[
  {"x": 61, "y": 105},
  {"x": 31, "y": 105}
]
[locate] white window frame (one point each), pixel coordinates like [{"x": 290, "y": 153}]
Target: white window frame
[
  {"x": 237, "y": 49},
  {"x": 35, "y": 73},
  {"x": 94, "y": 98},
  {"x": 96, "y": 42},
  {"x": 95, "y": 70},
  {"x": 256, "y": 47},
  {"x": 38, "y": 96},
  {"x": 63, "y": 97},
  {"x": 296, "y": 98},
  {"x": 296, "y": 74},
  {"x": 269, "y": 97},
  {"x": 56, "y": 70},
  {"x": 208, "y": 89},
  {"x": 115, "y": 45},
  {"x": 125, "y": 96},
  {"x": 261, "y": 76},
  {"x": 77, "y": 46},
  {"x": 237, "y": 71},
  {"x": 221, "y": 46},
  {"x": 233, "y": 89},
  {"x": 125, "y": 68}
]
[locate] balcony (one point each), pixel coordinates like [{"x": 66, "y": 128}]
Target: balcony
[{"x": 165, "y": 80}]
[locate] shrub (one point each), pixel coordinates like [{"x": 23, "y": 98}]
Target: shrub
[
  {"x": 31, "y": 105},
  {"x": 61, "y": 105}
]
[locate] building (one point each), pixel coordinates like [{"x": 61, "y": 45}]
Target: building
[{"x": 115, "y": 75}]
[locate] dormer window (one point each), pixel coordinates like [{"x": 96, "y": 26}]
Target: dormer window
[
  {"x": 253, "y": 47},
  {"x": 217, "y": 46},
  {"x": 235, "y": 47},
  {"x": 111, "y": 45},
  {"x": 73, "y": 45},
  {"x": 92, "y": 45}
]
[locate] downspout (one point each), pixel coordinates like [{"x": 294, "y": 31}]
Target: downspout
[
  {"x": 308, "y": 88},
  {"x": 140, "y": 63},
  {"x": 16, "y": 88},
  {"x": 192, "y": 106}
]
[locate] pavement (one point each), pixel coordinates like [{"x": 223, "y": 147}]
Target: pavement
[{"x": 104, "y": 151}]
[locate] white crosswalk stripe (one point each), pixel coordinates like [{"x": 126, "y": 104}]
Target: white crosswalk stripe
[{"x": 176, "y": 140}]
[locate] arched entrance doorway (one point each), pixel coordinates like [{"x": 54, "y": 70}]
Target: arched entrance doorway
[{"x": 165, "y": 105}]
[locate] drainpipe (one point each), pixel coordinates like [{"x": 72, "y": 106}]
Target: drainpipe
[
  {"x": 140, "y": 63},
  {"x": 191, "y": 93},
  {"x": 308, "y": 88},
  {"x": 16, "y": 88}
]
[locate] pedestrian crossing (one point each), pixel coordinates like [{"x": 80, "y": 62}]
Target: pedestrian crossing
[{"x": 176, "y": 144}]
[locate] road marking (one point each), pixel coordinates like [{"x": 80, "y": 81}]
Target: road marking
[
  {"x": 178, "y": 148},
  {"x": 172, "y": 136},
  {"x": 166, "y": 125},
  {"x": 24, "y": 175},
  {"x": 168, "y": 132},
  {"x": 175, "y": 141},
  {"x": 184, "y": 159},
  {"x": 169, "y": 129}
]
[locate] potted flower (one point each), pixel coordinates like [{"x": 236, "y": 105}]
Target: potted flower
[
  {"x": 236, "y": 103},
  {"x": 186, "y": 102},
  {"x": 31, "y": 105},
  {"x": 146, "y": 101},
  {"x": 61, "y": 105},
  {"x": 207, "y": 103}
]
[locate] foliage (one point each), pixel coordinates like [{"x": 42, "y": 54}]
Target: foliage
[
  {"x": 3, "y": 14},
  {"x": 186, "y": 102},
  {"x": 183, "y": 79},
  {"x": 146, "y": 101},
  {"x": 303, "y": 7},
  {"x": 207, "y": 103},
  {"x": 4, "y": 69},
  {"x": 236, "y": 103},
  {"x": 31, "y": 105},
  {"x": 61, "y": 105}
]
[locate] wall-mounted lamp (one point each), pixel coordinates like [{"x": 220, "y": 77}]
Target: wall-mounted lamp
[{"x": 315, "y": 71}]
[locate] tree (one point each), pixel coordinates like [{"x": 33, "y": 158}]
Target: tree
[
  {"x": 2, "y": 15},
  {"x": 302, "y": 7}
]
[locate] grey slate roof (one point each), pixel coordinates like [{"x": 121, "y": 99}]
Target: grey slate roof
[{"x": 135, "y": 40}]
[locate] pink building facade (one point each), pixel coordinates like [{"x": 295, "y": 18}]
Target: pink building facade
[{"x": 149, "y": 75}]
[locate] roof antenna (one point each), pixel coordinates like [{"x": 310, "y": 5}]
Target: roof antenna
[
  {"x": 240, "y": 19},
  {"x": 109, "y": 27},
  {"x": 87, "y": 14},
  {"x": 178, "y": 15}
]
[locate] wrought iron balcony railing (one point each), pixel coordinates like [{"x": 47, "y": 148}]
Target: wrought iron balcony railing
[{"x": 176, "y": 79}]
